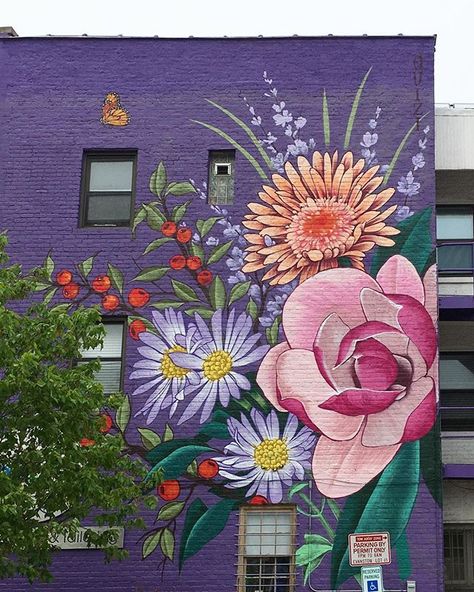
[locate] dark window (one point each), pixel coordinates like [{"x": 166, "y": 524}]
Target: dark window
[
  {"x": 456, "y": 374},
  {"x": 459, "y": 557},
  {"x": 110, "y": 355},
  {"x": 221, "y": 176},
  {"x": 266, "y": 554},
  {"x": 455, "y": 236},
  {"x": 108, "y": 188}
]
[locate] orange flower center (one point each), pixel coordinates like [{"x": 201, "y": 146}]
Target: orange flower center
[{"x": 325, "y": 225}]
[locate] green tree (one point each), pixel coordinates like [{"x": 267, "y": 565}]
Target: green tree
[{"x": 49, "y": 480}]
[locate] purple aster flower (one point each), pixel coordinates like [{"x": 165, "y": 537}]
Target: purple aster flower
[
  {"x": 212, "y": 241},
  {"x": 278, "y": 161},
  {"x": 408, "y": 186},
  {"x": 369, "y": 139},
  {"x": 300, "y": 122},
  {"x": 264, "y": 459},
  {"x": 225, "y": 350},
  {"x": 299, "y": 147},
  {"x": 236, "y": 260},
  {"x": 283, "y": 118},
  {"x": 257, "y": 120},
  {"x": 418, "y": 161},
  {"x": 237, "y": 278}
]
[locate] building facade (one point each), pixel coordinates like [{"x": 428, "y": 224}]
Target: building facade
[{"x": 255, "y": 218}]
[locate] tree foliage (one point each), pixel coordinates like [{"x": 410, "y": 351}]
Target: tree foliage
[{"x": 49, "y": 404}]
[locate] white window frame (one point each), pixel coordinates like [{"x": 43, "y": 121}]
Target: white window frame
[{"x": 226, "y": 164}]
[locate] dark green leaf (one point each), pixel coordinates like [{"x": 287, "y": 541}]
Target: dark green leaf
[
  {"x": 167, "y": 544},
  {"x": 149, "y": 438},
  {"x": 184, "y": 292},
  {"x": 252, "y": 309},
  {"x": 150, "y": 543},
  {"x": 140, "y": 215},
  {"x": 179, "y": 211},
  {"x": 158, "y": 180},
  {"x": 195, "y": 510},
  {"x": 214, "y": 429},
  {"x": 169, "y": 511},
  {"x": 163, "y": 450},
  {"x": 178, "y": 461},
  {"x": 148, "y": 325},
  {"x": 116, "y": 276},
  {"x": 156, "y": 244},
  {"x": 403, "y": 557},
  {"x": 180, "y": 188},
  {"x": 217, "y": 293},
  {"x": 207, "y": 527},
  {"x": 122, "y": 417},
  {"x": 162, "y": 304},
  {"x": 430, "y": 462},
  {"x": 155, "y": 219},
  {"x": 149, "y": 274},
  {"x": 205, "y": 226},
  {"x": 335, "y": 509},
  {"x": 49, "y": 266},
  {"x": 205, "y": 313},
  {"x": 238, "y": 291},
  {"x": 383, "y": 505},
  {"x": 219, "y": 252},
  {"x": 414, "y": 242},
  {"x": 85, "y": 267}
]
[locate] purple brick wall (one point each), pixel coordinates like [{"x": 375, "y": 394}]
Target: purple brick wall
[{"x": 52, "y": 95}]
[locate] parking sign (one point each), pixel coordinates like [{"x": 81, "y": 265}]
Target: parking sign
[{"x": 372, "y": 580}]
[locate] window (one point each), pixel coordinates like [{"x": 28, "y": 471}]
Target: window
[
  {"x": 459, "y": 557},
  {"x": 111, "y": 355},
  {"x": 456, "y": 374},
  {"x": 108, "y": 188},
  {"x": 221, "y": 176},
  {"x": 266, "y": 549},
  {"x": 455, "y": 234}
]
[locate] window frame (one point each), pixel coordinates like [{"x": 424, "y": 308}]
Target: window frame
[
  {"x": 247, "y": 509},
  {"x": 113, "y": 320},
  {"x": 444, "y": 393},
  {"x": 468, "y": 552},
  {"x": 213, "y": 160},
  {"x": 106, "y": 155},
  {"x": 440, "y": 242}
]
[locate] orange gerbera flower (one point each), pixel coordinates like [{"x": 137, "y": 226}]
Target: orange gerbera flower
[{"x": 314, "y": 215}]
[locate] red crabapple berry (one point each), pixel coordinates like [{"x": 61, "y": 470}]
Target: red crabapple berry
[
  {"x": 258, "y": 500},
  {"x": 138, "y": 297},
  {"x": 136, "y": 327},
  {"x": 204, "y": 277},
  {"x": 101, "y": 284},
  {"x": 71, "y": 290},
  {"x": 193, "y": 263},
  {"x": 63, "y": 277},
  {"x": 84, "y": 442},
  {"x": 177, "y": 262},
  {"x": 110, "y": 302},
  {"x": 169, "y": 490},
  {"x": 208, "y": 469},
  {"x": 106, "y": 423},
  {"x": 168, "y": 228},
  {"x": 184, "y": 235}
]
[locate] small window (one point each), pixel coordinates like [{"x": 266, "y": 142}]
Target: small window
[
  {"x": 108, "y": 188},
  {"x": 459, "y": 557},
  {"x": 110, "y": 355},
  {"x": 455, "y": 235},
  {"x": 221, "y": 176},
  {"x": 266, "y": 550},
  {"x": 456, "y": 372}
]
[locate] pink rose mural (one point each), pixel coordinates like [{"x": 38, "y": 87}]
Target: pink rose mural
[{"x": 358, "y": 367}]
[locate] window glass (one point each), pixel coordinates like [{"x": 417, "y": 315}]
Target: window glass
[
  {"x": 108, "y": 208},
  {"x": 454, "y": 257},
  {"x": 456, "y": 371},
  {"x": 110, "y": 355},
  {"x": 457, "y": 550},
  {"x": 455, "y": 224},
  {"x": 111, "y": 176},
  {"x": 221, "y": 176}
]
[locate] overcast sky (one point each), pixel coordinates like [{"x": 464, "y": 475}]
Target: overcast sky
[{"x": 452, "y": 21}]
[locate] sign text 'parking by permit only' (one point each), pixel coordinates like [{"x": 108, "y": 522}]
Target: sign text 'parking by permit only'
[{"x": 370, "y": 548}]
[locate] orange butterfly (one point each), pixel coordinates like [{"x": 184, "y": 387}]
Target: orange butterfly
[{"x": 112, "y": 111}]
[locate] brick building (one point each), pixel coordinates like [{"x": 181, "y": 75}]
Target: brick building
[{"x": 255, "y": 218}]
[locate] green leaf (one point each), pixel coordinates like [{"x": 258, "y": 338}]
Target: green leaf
[
  {"x": 49, "y": 266},
  {"x": 238, "y": 291},
  {"x": 192, "y": 469},
  {"x": 398, "y": 151},
  {"x": 49, "y": 295},
  {"x": 207, "y": 527},
  {"x": 253, "y": 138},
  {"x": 184, "y": 292},
  {"x": 326, "y": 126},
  {"x": 116, "y": 277},
  {"x": 296, "y": 488},
  {"x": 205, "y": 313},
  {"x": 150, "y": 543},
  {"x": 413, "y": 242},
  {"x": 205, "y": 226},
  {"x": 311, "y": 554},
  {"x": 164, "y": 449},
  {"x": 196, "y": 509},
  {"x": 214, "y": 429},
  {"x": 383, "y": 505},
  {"x": 85, "y": 267},
  {"x": 252, "y": 309},
  {"x": 180, "y": 188},
  {"x": 353, "y": 113},
  {"x": 149, "y": 274},
  {"x": 149, "y": 438},
  {"x": 178, "y": 461},
  {"x": 217, "y": 293},
  {"x": 122, "y": 417},
  {"x": 162, "y": 304},
  {"x": 155, "y": 219},
  {"x": 140, "y": 215},
  {"x": 272, "y": 332},
  {"x": 236, "y": 145},
  {"x": 430, "y": 462},
  {"x": 179, "y": 211},
  {"x": 40, "y": 287},
  {"x": 403, "y": 557},
  {"x": 158, "y": 179},
  {"x": 167, "y": 543},
  {"x": 219, "y": 252},
  {"x": 170, "y": 511},
  {"x": 148, "y": 324},
  {"x": 197, "y": 250},
  {"x": 168, "y": 433},
  {"x": 335, "y": 509},
  {"x": 156, "y": 244}
]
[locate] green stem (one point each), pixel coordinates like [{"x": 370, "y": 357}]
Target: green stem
[{"x": 317, "y": 514}]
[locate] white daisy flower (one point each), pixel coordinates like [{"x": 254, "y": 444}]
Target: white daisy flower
[{"x": 263, "y": 458}]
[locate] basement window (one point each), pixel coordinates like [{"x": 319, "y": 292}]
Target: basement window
[{"x": 221, "y": 176}]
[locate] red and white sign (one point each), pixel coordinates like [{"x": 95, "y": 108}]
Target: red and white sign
[{"x": 370, "y": 548}]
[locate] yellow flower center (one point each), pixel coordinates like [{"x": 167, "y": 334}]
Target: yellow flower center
[
  {"x": 168, "y": 368},
  {"x": 271, "y": 455},
  {"x": 217, "y": 365}
]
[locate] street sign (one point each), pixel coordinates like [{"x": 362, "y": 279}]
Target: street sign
[
  {"x": 369, "y": 548},
  {"x": 372, "y": 580}
]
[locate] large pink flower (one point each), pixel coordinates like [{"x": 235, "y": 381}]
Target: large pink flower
[{"x": 358, "y": 366}]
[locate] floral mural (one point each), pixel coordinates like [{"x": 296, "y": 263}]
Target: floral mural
[{"x": 297, "y": 344}]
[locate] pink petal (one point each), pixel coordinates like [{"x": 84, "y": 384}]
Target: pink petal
[
  {"x": 378, "y": 307},
  {"x": 422, "y": 419},
  {"x": 360, "y": 401},
  {"x": 330, "y": 334},
  {"x": 267, "y": 376},
  {"x": 362, "y": 332},
  {"x": 333, "y": 291},
  {"x": 399, "y": 276},
  {"x": 388, "y": 427},
  {"x": 302, "y": 389},
  {"x": 375, "y": 372},
  {"x": 342, "y": 468}
]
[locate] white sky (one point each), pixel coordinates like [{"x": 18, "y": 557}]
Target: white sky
[{"x": 452, "y": 21}]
